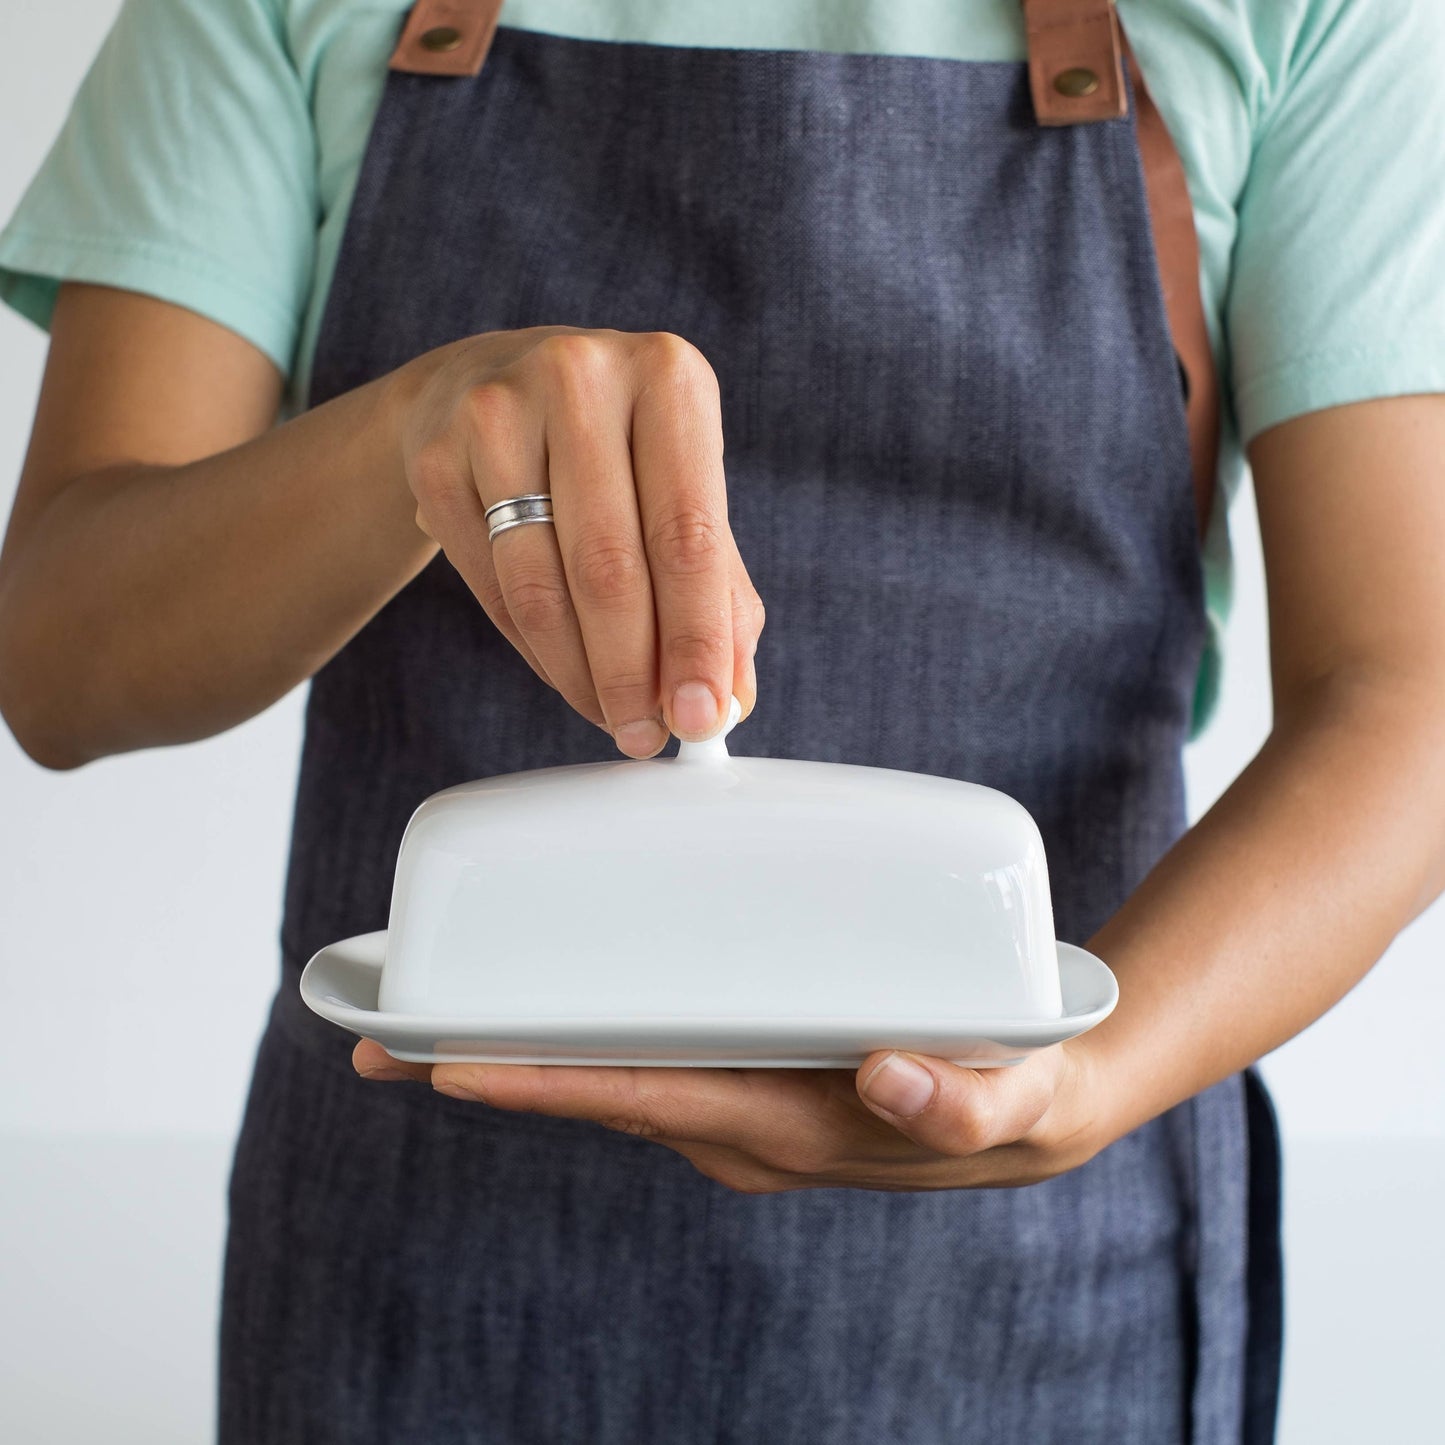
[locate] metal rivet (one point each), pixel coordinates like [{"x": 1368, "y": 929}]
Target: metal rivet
[
  {"x": 1076, "y": 83},
  {"x": 441, "y": 38}
]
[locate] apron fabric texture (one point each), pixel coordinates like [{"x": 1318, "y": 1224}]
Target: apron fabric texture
[{"x": 959, "y": 474}]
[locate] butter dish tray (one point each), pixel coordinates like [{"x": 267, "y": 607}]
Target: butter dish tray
[{"x": 341, "y": 983}]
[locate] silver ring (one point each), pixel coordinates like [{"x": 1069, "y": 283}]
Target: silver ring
[{"x": 517, "y": 512}]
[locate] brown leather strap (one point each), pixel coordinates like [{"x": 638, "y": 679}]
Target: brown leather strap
[
  {"x": 1076, "y": 69},
  {"x": 1074, "y": 44},
  {"x": 1176, "y": 243},
  {"x": 446, "y": 37}
]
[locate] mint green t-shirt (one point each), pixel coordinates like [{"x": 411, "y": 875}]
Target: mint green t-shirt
[{"x": 211, "y": 154}]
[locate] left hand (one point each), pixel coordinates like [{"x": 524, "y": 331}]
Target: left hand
[{"x": 902, "y": 1122}]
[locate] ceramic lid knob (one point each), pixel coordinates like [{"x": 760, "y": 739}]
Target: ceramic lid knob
[{"x": 715, "y": 748}]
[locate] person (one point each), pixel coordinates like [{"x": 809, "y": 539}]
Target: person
[{"x": 313, "y": 312}]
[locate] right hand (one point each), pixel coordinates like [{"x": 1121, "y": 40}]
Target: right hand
[{"x": 636, "y": 606}]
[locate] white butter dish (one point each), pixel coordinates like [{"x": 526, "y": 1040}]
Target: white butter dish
[{"x": 713, "y": 910}]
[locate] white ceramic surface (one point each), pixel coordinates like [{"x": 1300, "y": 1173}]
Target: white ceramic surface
[
  {"x": 715, "y": 887},
  {"x": 341, "y": 983}
]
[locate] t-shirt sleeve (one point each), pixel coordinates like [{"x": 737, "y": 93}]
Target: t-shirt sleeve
[
  {"x": 1338, "y": 290},
  {"x": 185, "y": 170}
]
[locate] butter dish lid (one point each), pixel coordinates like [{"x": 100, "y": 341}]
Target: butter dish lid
[{"x": 716, "y": 887}]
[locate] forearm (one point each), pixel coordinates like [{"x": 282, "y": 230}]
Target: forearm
[
  {"x": 159, "y": 604},
  {"x": 1280, "y": 899}
]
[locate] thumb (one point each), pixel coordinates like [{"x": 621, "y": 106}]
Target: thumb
[{"x": 944, "y": 1107}]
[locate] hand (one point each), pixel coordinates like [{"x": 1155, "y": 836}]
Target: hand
[
  {"x": 902, "y": 1122},
  {"x": 636, "y": 606}
]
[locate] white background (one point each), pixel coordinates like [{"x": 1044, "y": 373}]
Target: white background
[{"x": 139, "y": 901}]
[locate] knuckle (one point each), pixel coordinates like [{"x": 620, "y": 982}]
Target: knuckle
[
  {"x": 494, "y": 603},
  {"x": 971, "y": 1131},
  {"x": 628, "y": 696},
  {"x": 687, "y": 540},
  {"x": 433, "y": 472},
  {"x": 640, "y": 1114},
  {"x": 755, "y": 615},
  {"x": 492, "y": 409},
  {"x": 695, "y": 654},
  {"x": 641, "y": 1128},
  {"x": 537, "y": 605},
  {"x": 627, "y": 682},
  {"x": 672, "y": 360},
  {"x": 606, "y": 569},
  {"x": 576, "y": 360}
]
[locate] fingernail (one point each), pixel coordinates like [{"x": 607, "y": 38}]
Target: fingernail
[
  {"x": 641, "y": 739},
  {"x": 900, "y": 1086},
  {"x": 383, "y": 1074},
  {"x": 457, "y": 1091},
  {"x": 694, "y": 710}
]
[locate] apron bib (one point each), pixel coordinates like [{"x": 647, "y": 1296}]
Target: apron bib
[{"x": 959, "y": 473}]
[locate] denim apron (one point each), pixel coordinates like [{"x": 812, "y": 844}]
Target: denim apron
[{"x": 959, "y": 474}]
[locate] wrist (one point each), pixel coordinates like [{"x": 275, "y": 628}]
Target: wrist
[
  {"x": 389, "y": 418},
  {"x": 1079, "y": 1123}
]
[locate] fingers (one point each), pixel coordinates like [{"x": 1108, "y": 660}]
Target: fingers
[
  {"x": 682, "y": 500},
  {"x": 640, "y": 1101},
  {"x": 634, "y": 604},
  {"x": 747, "y": 625},
  {"x": 449, "y": 510},
  {"x": 762, "y": 1130},
  {"x": 372, "y": 1061},
  {"x": 516, "y": 1086},
  {"x": 736, "y": 1108},
  {"x": 958, "y": 1111},
  {"x": 600, "y": 539},
  {"x": 509, "y": 459}
]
